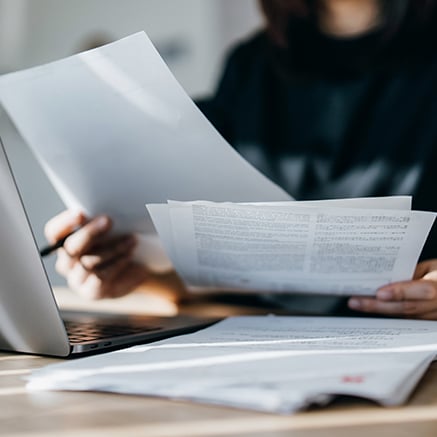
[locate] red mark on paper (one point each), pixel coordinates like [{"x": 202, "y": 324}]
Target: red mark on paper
[{"x": 352, "y": 379}]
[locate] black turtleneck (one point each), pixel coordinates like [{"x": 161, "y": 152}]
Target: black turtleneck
[{"x": 335, "y": 118}]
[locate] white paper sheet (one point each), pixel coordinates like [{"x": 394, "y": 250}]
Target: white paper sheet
[
  {"x": 268, "y": 363},
  {"x": 339, "y": 247},
  {"x": 113, "y": 130}
]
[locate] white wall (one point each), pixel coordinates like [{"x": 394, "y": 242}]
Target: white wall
[{"x": 192, "y": 36}]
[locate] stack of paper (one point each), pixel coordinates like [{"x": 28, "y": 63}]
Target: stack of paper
[
  {"x": 277, "y": 364},
  {"x": 343, "y": 247}
]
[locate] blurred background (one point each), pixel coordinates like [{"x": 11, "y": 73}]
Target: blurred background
[{"x": 193, "y": 37}]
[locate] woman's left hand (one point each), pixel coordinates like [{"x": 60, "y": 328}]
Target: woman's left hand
[{"x": 415, "y": 299}]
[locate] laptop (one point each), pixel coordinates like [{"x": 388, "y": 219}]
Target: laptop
[{"x": 30, "y": 320}]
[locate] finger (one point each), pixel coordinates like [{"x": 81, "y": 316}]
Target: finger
[
  {"x": 408, "y": 290},
  {"x": 404, "y": 309},
  {"x": 425, "y": 267},
  {"x": 120, "y": 279},
  {"x": 63, "y": 224},
  {"x": 421, "y": 269},
  {"x": 431, "y": 275},
  {"x": 92, "y": 288},
  {"x": 88, "y": 236},
  {"x": 76, "y": 278},
  {"x": 117, "y": 248},
  {"x": 429, "y": 316},
  {"x": 64, "y": 262},
  {"x": 88, "y": 285},
  {"x": 129, "y": 279},
  {"x": 111, "y": 270}
]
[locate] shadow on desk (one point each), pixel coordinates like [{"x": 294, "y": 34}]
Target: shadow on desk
[{"x": 145, "y": 302}]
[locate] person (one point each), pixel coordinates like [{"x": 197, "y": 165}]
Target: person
[{"x": 333, "y": 99}]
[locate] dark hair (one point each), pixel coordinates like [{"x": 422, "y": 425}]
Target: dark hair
[{"x": 278, "y": 13}]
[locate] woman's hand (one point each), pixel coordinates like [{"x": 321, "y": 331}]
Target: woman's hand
[
  {"x": 414, "y": 299},
  {"x": 96, "y": 264}
]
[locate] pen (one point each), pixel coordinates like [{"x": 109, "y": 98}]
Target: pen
[{"x": 47, "y": 250}]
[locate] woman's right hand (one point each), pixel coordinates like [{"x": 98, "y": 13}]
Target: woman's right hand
[{"x": 95, "y": 263}]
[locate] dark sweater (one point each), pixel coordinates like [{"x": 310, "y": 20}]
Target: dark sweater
[{"x": 343, "y": 125}]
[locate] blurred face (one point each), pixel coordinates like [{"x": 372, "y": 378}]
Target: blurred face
[
  {"x": 348, "y": 17},
  {"x": 342, "y": 18}
]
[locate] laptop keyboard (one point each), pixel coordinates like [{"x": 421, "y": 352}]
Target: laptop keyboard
[{"x": 80, "y": 332}]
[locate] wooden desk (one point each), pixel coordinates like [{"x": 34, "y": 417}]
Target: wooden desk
[{"x": 75, "y": 414}]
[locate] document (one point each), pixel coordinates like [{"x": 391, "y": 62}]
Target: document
[
  {"x": 113, "y": 129},
  {"x": 344, "y": 247},
  {"x": 268, "y": 363}
]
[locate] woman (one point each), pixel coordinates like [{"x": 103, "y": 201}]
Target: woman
[{"x": 336, "y": 98}]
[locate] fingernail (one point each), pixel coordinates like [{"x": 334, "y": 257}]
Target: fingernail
[
  {"x": 385, "y": 294},
  {"x": 355, "y": 304},
  {"x": 74, "y": 215},
  {"x": 102, "y": 222}
]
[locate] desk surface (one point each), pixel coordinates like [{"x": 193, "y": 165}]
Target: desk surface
[{"x": 98, "y": 414}]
